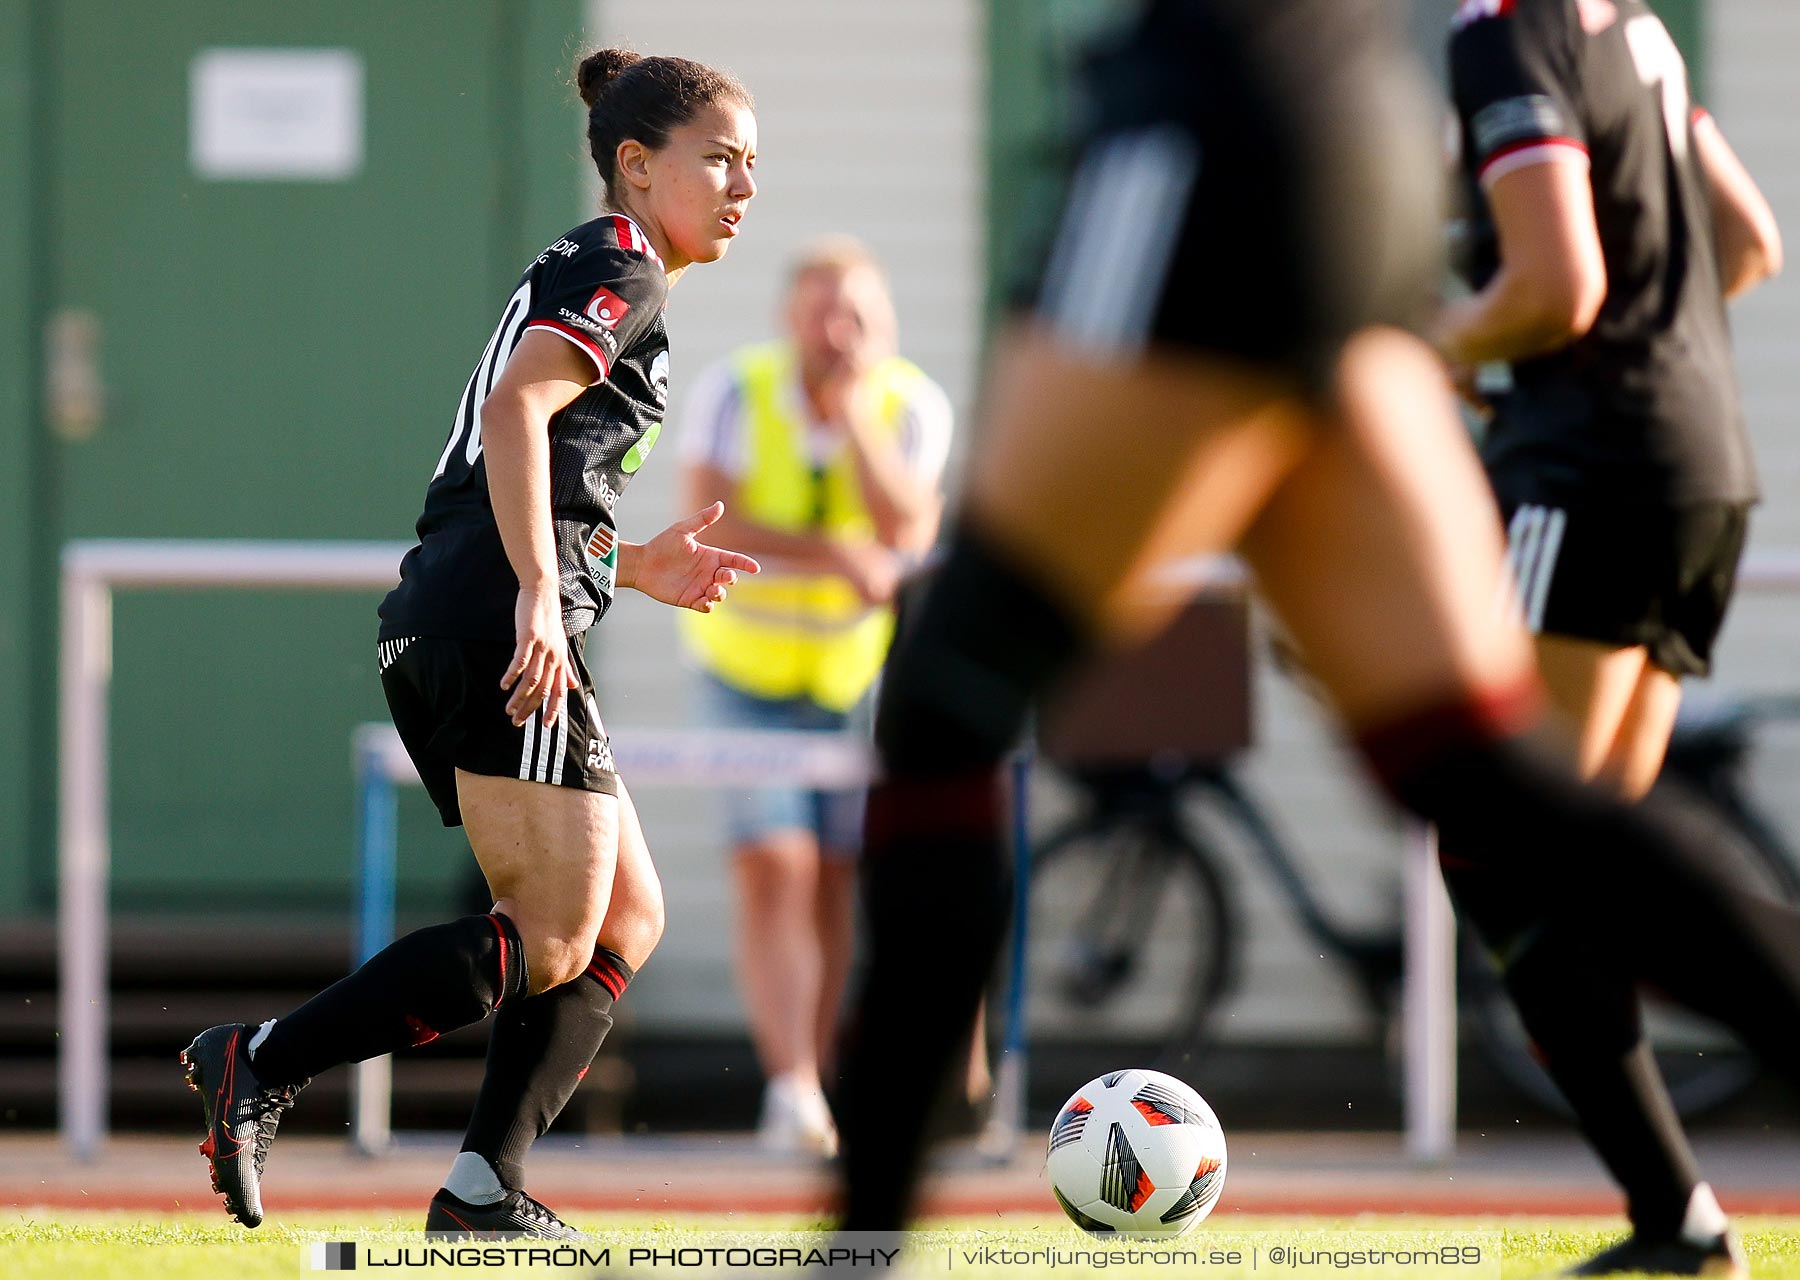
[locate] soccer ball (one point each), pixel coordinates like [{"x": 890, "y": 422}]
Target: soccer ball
[{"x": 1136, "y": 1153}]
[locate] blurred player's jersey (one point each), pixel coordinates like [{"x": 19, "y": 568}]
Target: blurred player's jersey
[
  {"x": 1645, "y": 406},
  {"x": 1259, "y": 180},
  {"x": 600, "y": 288}
]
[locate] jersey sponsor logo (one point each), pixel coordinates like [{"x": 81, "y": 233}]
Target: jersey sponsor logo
[
  {"x": 563, "y": 248},
  {"x": 635, "y": 456},
  {"x": 602, "y": 556},
  {"x": 1530, "y": 118},
  {"x": 1476, "y": 10},
  {"x": 606, "y": 308},
  {"x": 609, "y": 496},
  {"x": 580, "y": 322}
]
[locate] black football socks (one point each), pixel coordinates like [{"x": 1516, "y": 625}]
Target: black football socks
[
  {"x": 1583, "y": 1015},
  {"x": 966, "y": 667},
  {"x": 1526, "y": 847},
  {"x": 539, "y": 1050},
  {"x": 431, "y": 981}
]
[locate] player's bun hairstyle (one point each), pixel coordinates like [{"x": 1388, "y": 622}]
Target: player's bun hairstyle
[{"x": 631, "y": 96}]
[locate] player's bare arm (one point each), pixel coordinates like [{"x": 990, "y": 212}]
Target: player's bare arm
[
  {"x": 1552, "y": 277},
  {"x": 543, "y": 376},
  {"x": 1744, "y": 227},
  {"x": 676, "y": 568},
  {"x": 872, "y": 568}
]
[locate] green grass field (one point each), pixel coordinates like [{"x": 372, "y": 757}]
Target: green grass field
[{"x": 79, "y": 1245}]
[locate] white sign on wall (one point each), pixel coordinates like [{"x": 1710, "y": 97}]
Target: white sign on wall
[{"x": 276, "y": 114}]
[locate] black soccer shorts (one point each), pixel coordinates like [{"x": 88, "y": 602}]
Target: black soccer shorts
[
  {"x": 1244, "y": 192},
  {"x": 1628, "y": 574},
  {"x": 448, "y": 705}
]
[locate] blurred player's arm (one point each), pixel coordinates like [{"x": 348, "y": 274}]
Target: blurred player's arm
[
  {"x": 1744, "y": 226},
  {"x": 1552, "y": 277}
]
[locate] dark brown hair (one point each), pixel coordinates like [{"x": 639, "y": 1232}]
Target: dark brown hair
[{"x": 631, "y": 96}]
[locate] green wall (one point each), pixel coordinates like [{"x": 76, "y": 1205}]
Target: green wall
[
  {"x": 18, "y": 364},
  {"x": 282, "y": 360},
  {"x": 1686, "y": 21}
]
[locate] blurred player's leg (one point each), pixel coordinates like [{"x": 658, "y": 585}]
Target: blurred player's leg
[
  {"x": 1528, "y": 854},
  {"x": 1582, "y": 1012},
  {"x": 1622, "y": 706},
  {"x": 1352, "y": 518},
  {"x": 1041, "y": 564}
]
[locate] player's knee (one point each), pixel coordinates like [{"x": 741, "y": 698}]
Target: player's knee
[
  {"x": 555, "y": 963},
  {"x": 557, "y": 952},
  {"x": 634, "y": 933}
]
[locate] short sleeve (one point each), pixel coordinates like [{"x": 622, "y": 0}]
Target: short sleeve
[
  {"x": 712, "y": 420},
  {"x": 1515, "y": 107},
  {"x": 601, "y": 299}
]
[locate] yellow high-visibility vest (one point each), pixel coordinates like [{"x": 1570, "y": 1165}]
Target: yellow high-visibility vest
[{"x": 791, "y": 635}]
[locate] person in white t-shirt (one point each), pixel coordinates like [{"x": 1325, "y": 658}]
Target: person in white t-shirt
[{"x": 828, "y": 449}]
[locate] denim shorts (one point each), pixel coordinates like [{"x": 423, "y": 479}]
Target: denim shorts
[{"x": 751, "y": 813}]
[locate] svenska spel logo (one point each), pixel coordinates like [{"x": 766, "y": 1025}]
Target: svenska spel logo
[
  {"x": 332, "y": 1256},
  {"x": 606, "y": 308}
]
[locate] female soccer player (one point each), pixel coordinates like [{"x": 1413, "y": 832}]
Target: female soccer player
[
  {"x": 1217, "y": 360},
  {"x": 1615, "y": 221},
  {"x": 480, "y": 651}
]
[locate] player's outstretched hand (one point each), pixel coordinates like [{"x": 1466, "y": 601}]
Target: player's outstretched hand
[
  {"x": 678, "y": 569},
  {"x": 540, "y": 672}
]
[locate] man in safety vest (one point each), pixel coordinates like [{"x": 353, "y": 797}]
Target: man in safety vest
[{"x": 828, "y": 449}]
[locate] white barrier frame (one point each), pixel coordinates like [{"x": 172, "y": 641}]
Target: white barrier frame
[{"x": 93, "y": 569}]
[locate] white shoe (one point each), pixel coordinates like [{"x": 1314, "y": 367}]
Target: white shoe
[{"x": 796, "y": 1120}]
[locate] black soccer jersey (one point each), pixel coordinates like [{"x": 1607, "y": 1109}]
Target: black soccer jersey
[
  {"x": 1259, "y": 179},
  {"x": 602, "y": 288},
  {"x": 1644, "y": 406}
]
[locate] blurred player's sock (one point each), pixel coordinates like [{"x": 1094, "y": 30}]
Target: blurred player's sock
[
  {"x": 1525, "y": 846},
  {"x": 429, "y": 982},
  {"x": 1583, "y": 1015},
  {"x": 538, "y": 1052},
  {"x": 969, "y": 662},
  {"x": 935, "y": 897}
]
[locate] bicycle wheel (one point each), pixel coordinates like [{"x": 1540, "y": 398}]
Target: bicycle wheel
[
  {"x": 1702, "y": 1065},
  {"x": 1128, "y": 946}
]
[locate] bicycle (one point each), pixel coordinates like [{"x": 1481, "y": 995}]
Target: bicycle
[{"x": 1134, "y": 918}]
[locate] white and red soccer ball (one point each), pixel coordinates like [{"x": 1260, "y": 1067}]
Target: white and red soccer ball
[{"x": 1137, "y": 1153}]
